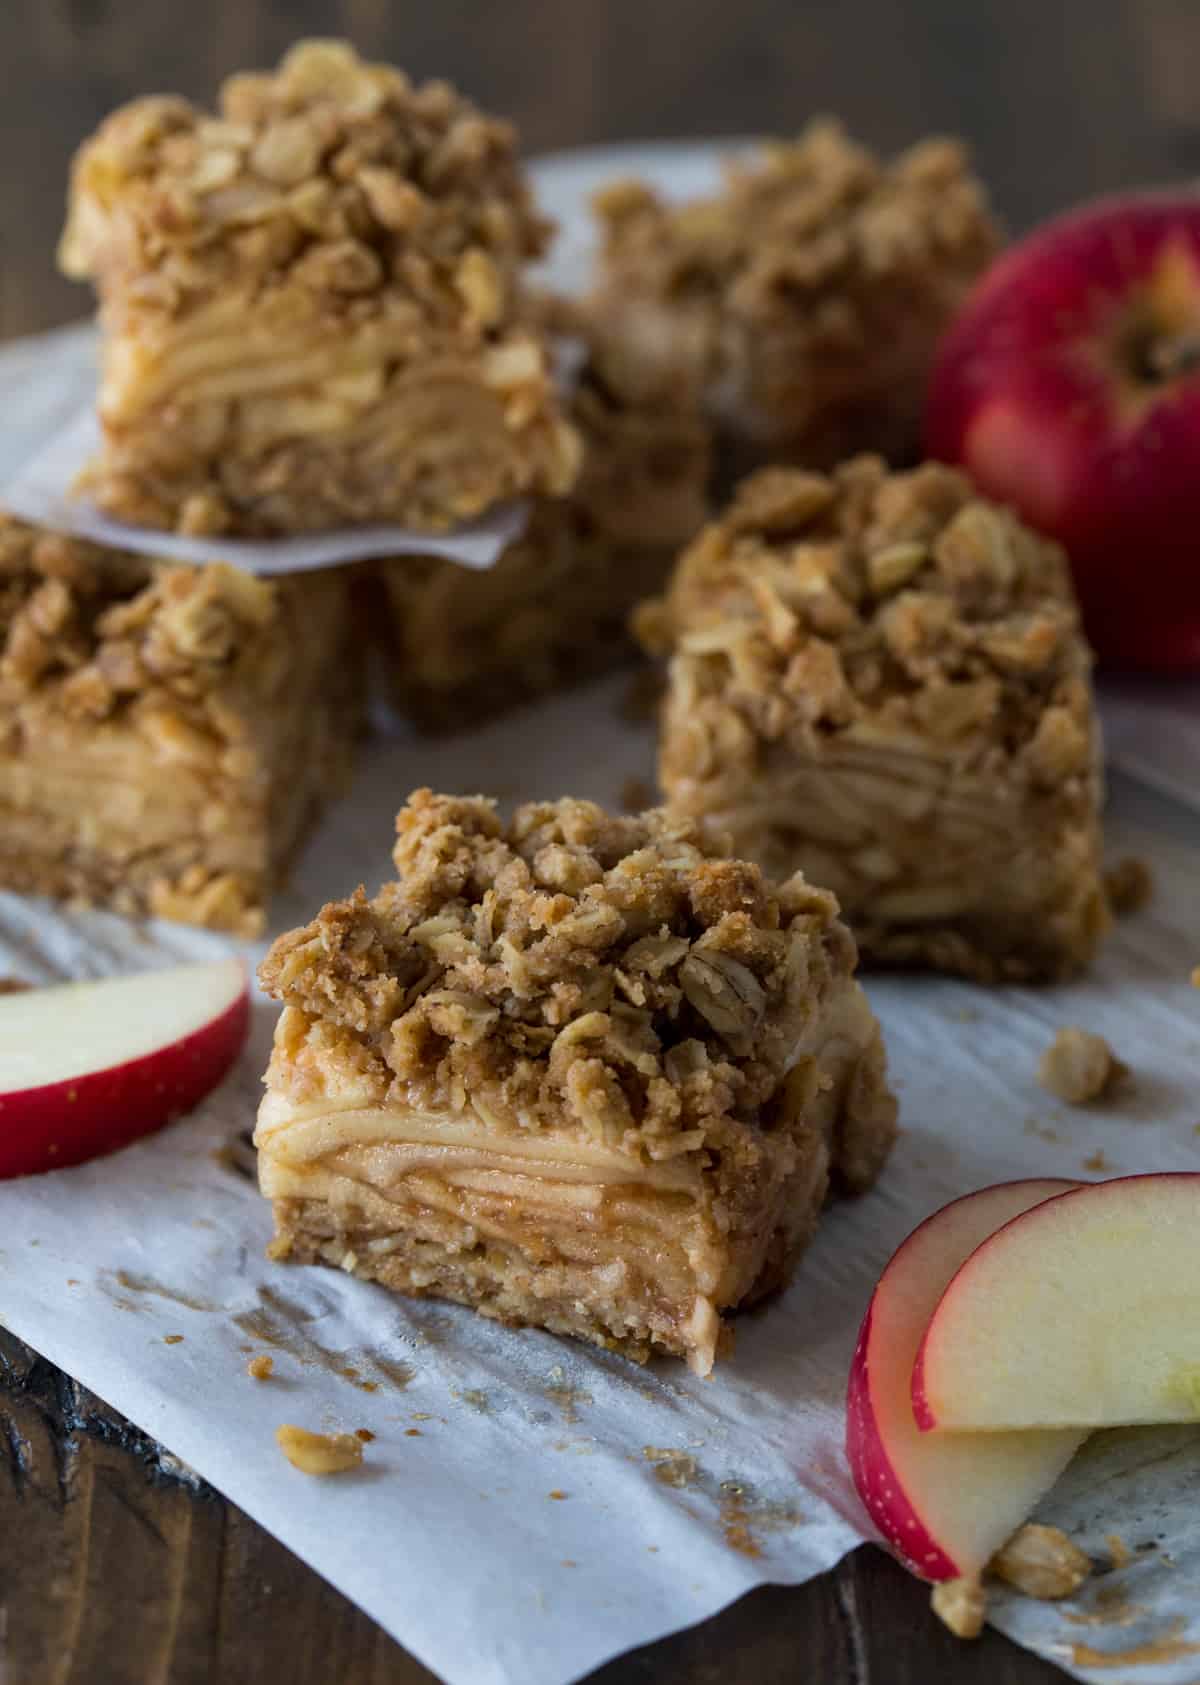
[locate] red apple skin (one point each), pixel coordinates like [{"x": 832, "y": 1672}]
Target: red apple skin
[
  {"x": 878, "y": 1484},
  {"x": 65, "y": 1123},
  {"x": 1041, "y": 391},
  {"x": 877, "y": 1481}
]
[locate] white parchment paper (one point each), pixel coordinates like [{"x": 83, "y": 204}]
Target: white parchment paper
[
  {"x": 522, "y": 1534},
  {"x": 508, "y": 1524},
  {"x": 51, "y": 433}
]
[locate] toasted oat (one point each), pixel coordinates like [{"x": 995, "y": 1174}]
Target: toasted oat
[
  {"x": 805, "y": 298},
  {"x": 304, "y": 288},
  {"x": 319, "y": 1453},
  {"x": 615, "y": 969},
  {"x": 1041, "y": 1562},
  {"x": 1079, "y": 1066},
  {"x": 200, "y": 691},
  {"x": 261, "y": 1368},
  {"x": 1129, "y": 885},
  {"x": 960, "y": 1605},
  {"x": 881, "y": 678}
]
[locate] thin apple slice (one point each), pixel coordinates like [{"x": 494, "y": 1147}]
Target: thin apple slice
[
  {"x": 946, "y": 1505},
  {"x": 1082, "y": 1313},
  {"x": 88, "y": 1067}
]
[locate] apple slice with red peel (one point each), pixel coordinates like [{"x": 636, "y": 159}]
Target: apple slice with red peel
[
  {"x": 1083, "y": 1313},
  {"x": 946, "y": 1503},
  {"x": 88, "y": 1067}
]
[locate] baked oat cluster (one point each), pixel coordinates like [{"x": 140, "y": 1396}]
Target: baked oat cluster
[
  {"x": 167, "y": 733},
  {"x": 612, "y": 975},
  {"x": 881, "y": 679},
  {"x": 804, "y": 300},
  {"x": 311, "y": 305},
  {"x": 608, "y": 994}
]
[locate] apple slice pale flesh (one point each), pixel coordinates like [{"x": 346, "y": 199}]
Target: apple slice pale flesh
[
  {"x": 945, "y": 1503},
  {"x": 88, "y": 1067},
  {"x": 1083, "y": 1312}
]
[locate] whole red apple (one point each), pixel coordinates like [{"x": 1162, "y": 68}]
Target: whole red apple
[{"x": 1069, "y": 387}]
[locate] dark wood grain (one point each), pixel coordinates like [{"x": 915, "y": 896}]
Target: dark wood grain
[
  {"x": 113, "y": 1571},
  {"x": 117, "y": 1570}
]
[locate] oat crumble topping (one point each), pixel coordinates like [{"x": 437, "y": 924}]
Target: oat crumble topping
[
  {"x": 607, "y": 974},
  {"x": 312, "y": 305},
  {"x": 805, "y": 298}
]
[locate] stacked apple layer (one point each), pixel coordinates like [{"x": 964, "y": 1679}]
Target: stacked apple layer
[
  {"x": 575, "y": 1072},
  {"x": 167, "y": 734},
  {"x": 553, "y": 1229},
  {"x": 312, "y": 305},
  {"x": 555, "y": 607},
  {"x": 881, "y": 679}
]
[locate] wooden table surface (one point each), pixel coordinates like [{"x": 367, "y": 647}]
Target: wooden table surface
[{"x": 113, "y": 1569}]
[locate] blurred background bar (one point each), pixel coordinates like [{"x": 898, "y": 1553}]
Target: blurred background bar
[{"x": 1059, "y": 98}]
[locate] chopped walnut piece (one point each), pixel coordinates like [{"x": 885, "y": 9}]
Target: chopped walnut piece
[
  {"x": 261, "y": 1368},
  {"x": 1079, "y": 1066},
  {"x": 1129, "y": 885},
  {"x": 960, "y": 1605},
  {"x": 319, "y": 1453},
  {"x": 1041, "y": 1562},
  {"x": 803, "y": 301},
  {"x": 881, "y": 679},
  {"x": 304, "y": 302}
]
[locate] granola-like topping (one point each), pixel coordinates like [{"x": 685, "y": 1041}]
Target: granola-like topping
[
  {"x": 1079, "y": 1066},
  {"x": 866, "y": 598},
  {"x": 330, "y": 183},
  {"x": 811, "y": 286},
  {"x": 611, "y": 972},
  {"x": 91, "y": 632}
]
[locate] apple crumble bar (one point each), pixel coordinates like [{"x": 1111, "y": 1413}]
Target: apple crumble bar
[
  {"x": 805, "y": 300},
  {"x": 880, "y": 679},
  {"x": 311, "y": 306},
  {"x": 555, "y": 608},
  {"x": 167, "y": 733},
  {"x": 575, "y": 1071}
]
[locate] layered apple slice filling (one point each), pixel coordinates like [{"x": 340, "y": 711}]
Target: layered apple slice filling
[{"x": 558, "y": 1230}]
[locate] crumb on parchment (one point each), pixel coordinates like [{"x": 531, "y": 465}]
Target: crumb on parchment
[
  {"x": 960, "y": 1605},
  {"x": 261, "y": 1368},
  {"x": 319, "y": 1453},
  {"x": 1079, "y": 1066},
  {"x": 1041, "y": 1562}
]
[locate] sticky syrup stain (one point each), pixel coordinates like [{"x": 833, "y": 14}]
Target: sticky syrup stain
[
  {"x": 568, "y": 1399},
  {"x": 279, "y": 1322},
  {"x": 1167, "y": 1647},
  {"x": 152, "y": 1289},
  {"x": 672, "y": 1467},
  {"x": 744, "y": 1517},
  {"x": 1097, "y": 1162}
]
